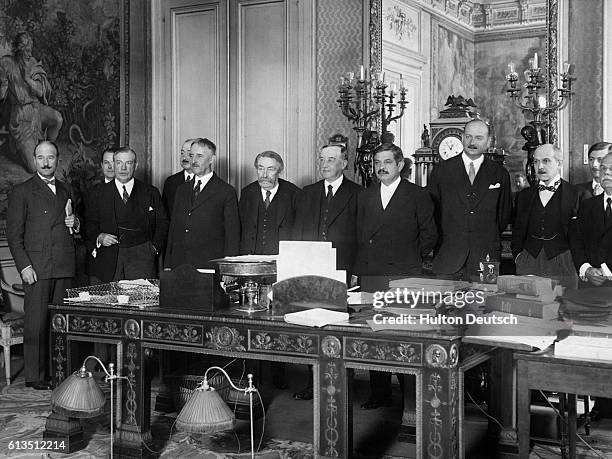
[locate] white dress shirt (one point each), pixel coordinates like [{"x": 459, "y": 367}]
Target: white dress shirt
[
  {"x": 335, "y": 185},
  {"x": 203, "y": 179},
  {"x": 271, "y": 190},
  {"x": 129, "y": 186},
  {"x": 547, "y": 195},
  {"x": 386, "y": 192},
  {"x": 477, "y": 163},
  {"x": 596, "y": 188},
  {"x": 51, "y": 187},
  {"x": 188, "y": 175}
]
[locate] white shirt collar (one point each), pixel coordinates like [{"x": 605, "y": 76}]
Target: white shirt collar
[
  {"x": 129, "y": 186},
  {"x": 271, "y": 190},
  {"x": 335, "y": 185},
  {"x": 477, "y": 163},
  {"x": 552, "y": 182},
  {"x": 187, "y": 175},
  {"x": 107, "y": 180},
  {"x": 204, "y": 179},
  {"x": 387, "y": 192},
  {"x": 45, "y": 178}
]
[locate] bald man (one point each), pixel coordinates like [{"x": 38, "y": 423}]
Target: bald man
[{"x": 544, "y": 215}]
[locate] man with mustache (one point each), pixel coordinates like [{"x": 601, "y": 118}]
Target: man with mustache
[
  {"x": 395, "y": 229},
  {"x": 173, "y": 182},
  {"x": 473, "y": 202},
  {"x": 596, "y": 153},
  {"x": 130, "y": 224},
  {"x": 544, "y": 216},
  {"x": 40, "y": 230},
  {"x": 205, "y": 224},
  {"x": 327, "y": 211}
]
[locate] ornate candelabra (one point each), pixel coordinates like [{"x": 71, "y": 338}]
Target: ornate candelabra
[
  {"x": 534, "y": 100},
  {"x": 367, "y": 103}
]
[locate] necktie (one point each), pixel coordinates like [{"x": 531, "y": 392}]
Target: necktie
[
  {"x": 472, "y": 173},
  {"x": 553, "y": 187},
  {"x": 126, "y": 196},
  {"x": 189, "y": 177},
  {"x": 608, "y": 214},
  {"x": 330, "y": 193},
  {"x": 597, "y": 190},
  {"x": 267, "y": 200},
  {"x": 196, "y": 190},
  {"x": 50, "y": 182}
]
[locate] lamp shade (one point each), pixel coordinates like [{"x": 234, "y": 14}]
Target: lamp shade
[
  {"x": 79, "y": 396},
  {"x": 205, "y": 412}
]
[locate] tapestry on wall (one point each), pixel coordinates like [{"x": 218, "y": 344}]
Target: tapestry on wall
[{"x": 59, "y": 80}]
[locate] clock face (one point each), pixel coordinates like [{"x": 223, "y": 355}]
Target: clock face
[{"x": 450, "y": 146}]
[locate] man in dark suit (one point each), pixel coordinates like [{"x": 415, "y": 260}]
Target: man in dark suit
[
  {"x": 596, "y": 153},
  {"x": 130, "y": 223},
  {"x": 544, "y": 213},
  {"x": 396, "y": 228},
  {"x": 205, "y": 224},
  {"x": 327, "y": 211},
  {"x": 267, "y": 207},
  {"x": 473, "y": 202},
  {"x": 173, "y": 182},
  {"x": 40, "y": 228}
]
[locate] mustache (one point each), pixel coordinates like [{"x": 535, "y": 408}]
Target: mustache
[
  {"x": 381, "y": 171},
  {"x": 46, "y": 167}
]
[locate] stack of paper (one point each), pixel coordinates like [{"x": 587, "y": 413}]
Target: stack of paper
[
  {"x": 316, "y": 317},
  {"x": 585, "y": 347},
  {"x": 305, "y": 258},
  {"x": 534, "y": 288}
]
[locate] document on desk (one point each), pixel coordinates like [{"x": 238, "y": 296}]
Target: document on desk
[
  {"x": 585, "y": 347},
  {"x": 316, "y": 317}
]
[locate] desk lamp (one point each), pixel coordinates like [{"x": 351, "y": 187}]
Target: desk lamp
[
  {"x": 206, "y": 412},
  {"x": 79, "y": 396}
]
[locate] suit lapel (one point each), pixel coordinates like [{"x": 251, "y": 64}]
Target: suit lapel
[
  {"x": 338, "y": 202},
  {"x": 482, "y": 182},
  {"x": 208, "y": 190},
  {"x": 254, "y": 205},
  {"x": 459, "y": 179},
  {"x": 375, "y": 203}
]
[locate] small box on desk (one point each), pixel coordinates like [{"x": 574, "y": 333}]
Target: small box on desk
[{"x": 186, "y": 287}]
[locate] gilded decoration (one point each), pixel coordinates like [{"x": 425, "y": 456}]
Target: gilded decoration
[
  {"x": 283, "y": 342},
  {"x": 435, "y": 448},
  {"x": 453, "y": 356},
  {"x": 436, "y": 356},
  {"x": 59, "y": 323},
  {"x": 224, "y": 339},
  {"x": 330, "y": 392},
  {"x": 170, "y": 331},
  {"x": 94, "y": 325},
  {"x": 59, "y": 357},
  {"x": 331, "y": 347},
  {"x": 130, "y": 402},
  {"x": 377, "y": 350},
  {"x": 131, "y": 328}
]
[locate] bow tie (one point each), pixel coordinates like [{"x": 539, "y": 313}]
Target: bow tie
[
  {"x": 552, "y": 187},
  {"x": 49, "y": 181}
]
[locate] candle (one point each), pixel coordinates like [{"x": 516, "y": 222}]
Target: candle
[
  {"x": 392, "y": 88},
  {"x": 542, "y": 101},
  {"x": 511, "y": 67},
  {"x": 382, "y": 78},
  {"x": 350, "y": 76},
  {"x": 535, "y": 61},
  {"x": 361, "y": 73},
  {"x": 566, "y": 67},
  {"x": 401, "y": 83}
]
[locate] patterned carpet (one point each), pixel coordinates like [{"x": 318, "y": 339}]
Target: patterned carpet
[{"x": 23, "y": 413}]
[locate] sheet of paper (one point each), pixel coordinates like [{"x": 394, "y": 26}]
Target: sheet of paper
[
  {"x": 316, "y": 317},
  {"x": 307, "y": 258}
]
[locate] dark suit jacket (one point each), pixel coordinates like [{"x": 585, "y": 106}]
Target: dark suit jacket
[
  {"x": 284, "y": 203},
  {"x": 469, "y": 224},
  {"x": 394, "y": 240},
  {"x": 101, "y": 218},
  {"x": 341, "y": 219},
  {"x": 586, "y": 189},
  {"x": 570, "y": 201},
  {"x": 169, "y": 190},
  {"x": 591, "y": 242},
  {"x": 35, "y": 229},
  {"x": 205, "y": 229}
]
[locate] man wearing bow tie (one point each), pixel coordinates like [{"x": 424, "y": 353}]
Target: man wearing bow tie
[
  {"x": 173, "y": 182},
  {"x": 545, "y": 214},
  {"x": 205, "y": 224},
  {"x": 130, "y": 224},
  {"x": 473, "y": 202},
  {"x": 40, "y": 228},
  {"x": 596, "y": 153}
]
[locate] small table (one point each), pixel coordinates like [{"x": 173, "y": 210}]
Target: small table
[{"x": 559, "y": 374}]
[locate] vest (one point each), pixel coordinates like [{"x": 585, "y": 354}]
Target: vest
[
  {"x": 266, "y": 242},
  {"x": 131, "y": 223},
  {"x": 324, "y": 213},
  {"x": 544, "y": 228}
]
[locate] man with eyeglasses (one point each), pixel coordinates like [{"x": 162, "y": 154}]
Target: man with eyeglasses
[
  {"x": 130, "y": 222},
  {"x": 596, "y": 153},
  {"x": 396, "y": 228},
  {"x": 544, "y": 215}
]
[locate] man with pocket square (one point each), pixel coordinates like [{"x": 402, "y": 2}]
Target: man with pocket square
[
  {"x": 130, "y": 222},
  {"x": 544, "y": 217},
  {"x": 472, "y": 195}
]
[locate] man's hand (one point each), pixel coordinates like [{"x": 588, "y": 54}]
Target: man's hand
[
  {"x": 106, "y": 239},
  {"x": 28, "y": 275},
  {"x": 71, "y": 221},
  {"x": 595, "y": 276}
]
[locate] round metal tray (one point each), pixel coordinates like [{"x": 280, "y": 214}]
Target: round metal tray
[{"x": 246, "y": 269}]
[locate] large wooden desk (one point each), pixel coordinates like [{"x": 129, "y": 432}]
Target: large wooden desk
[
  {"x": 431, "y": 357},
  {"x": 550, "y": 373}
]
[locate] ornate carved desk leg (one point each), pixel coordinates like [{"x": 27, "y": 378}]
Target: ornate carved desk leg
[
  {"x": 57, "y": 426},
  {"x": 133, "y": 437},
  {"x": 439, "y": 402},
  {"x": 501, "y": 383},
  {"x": 335, "y": 434}
]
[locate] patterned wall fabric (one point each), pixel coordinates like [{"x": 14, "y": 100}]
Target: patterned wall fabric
[{"x": 339, "y": 50}]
